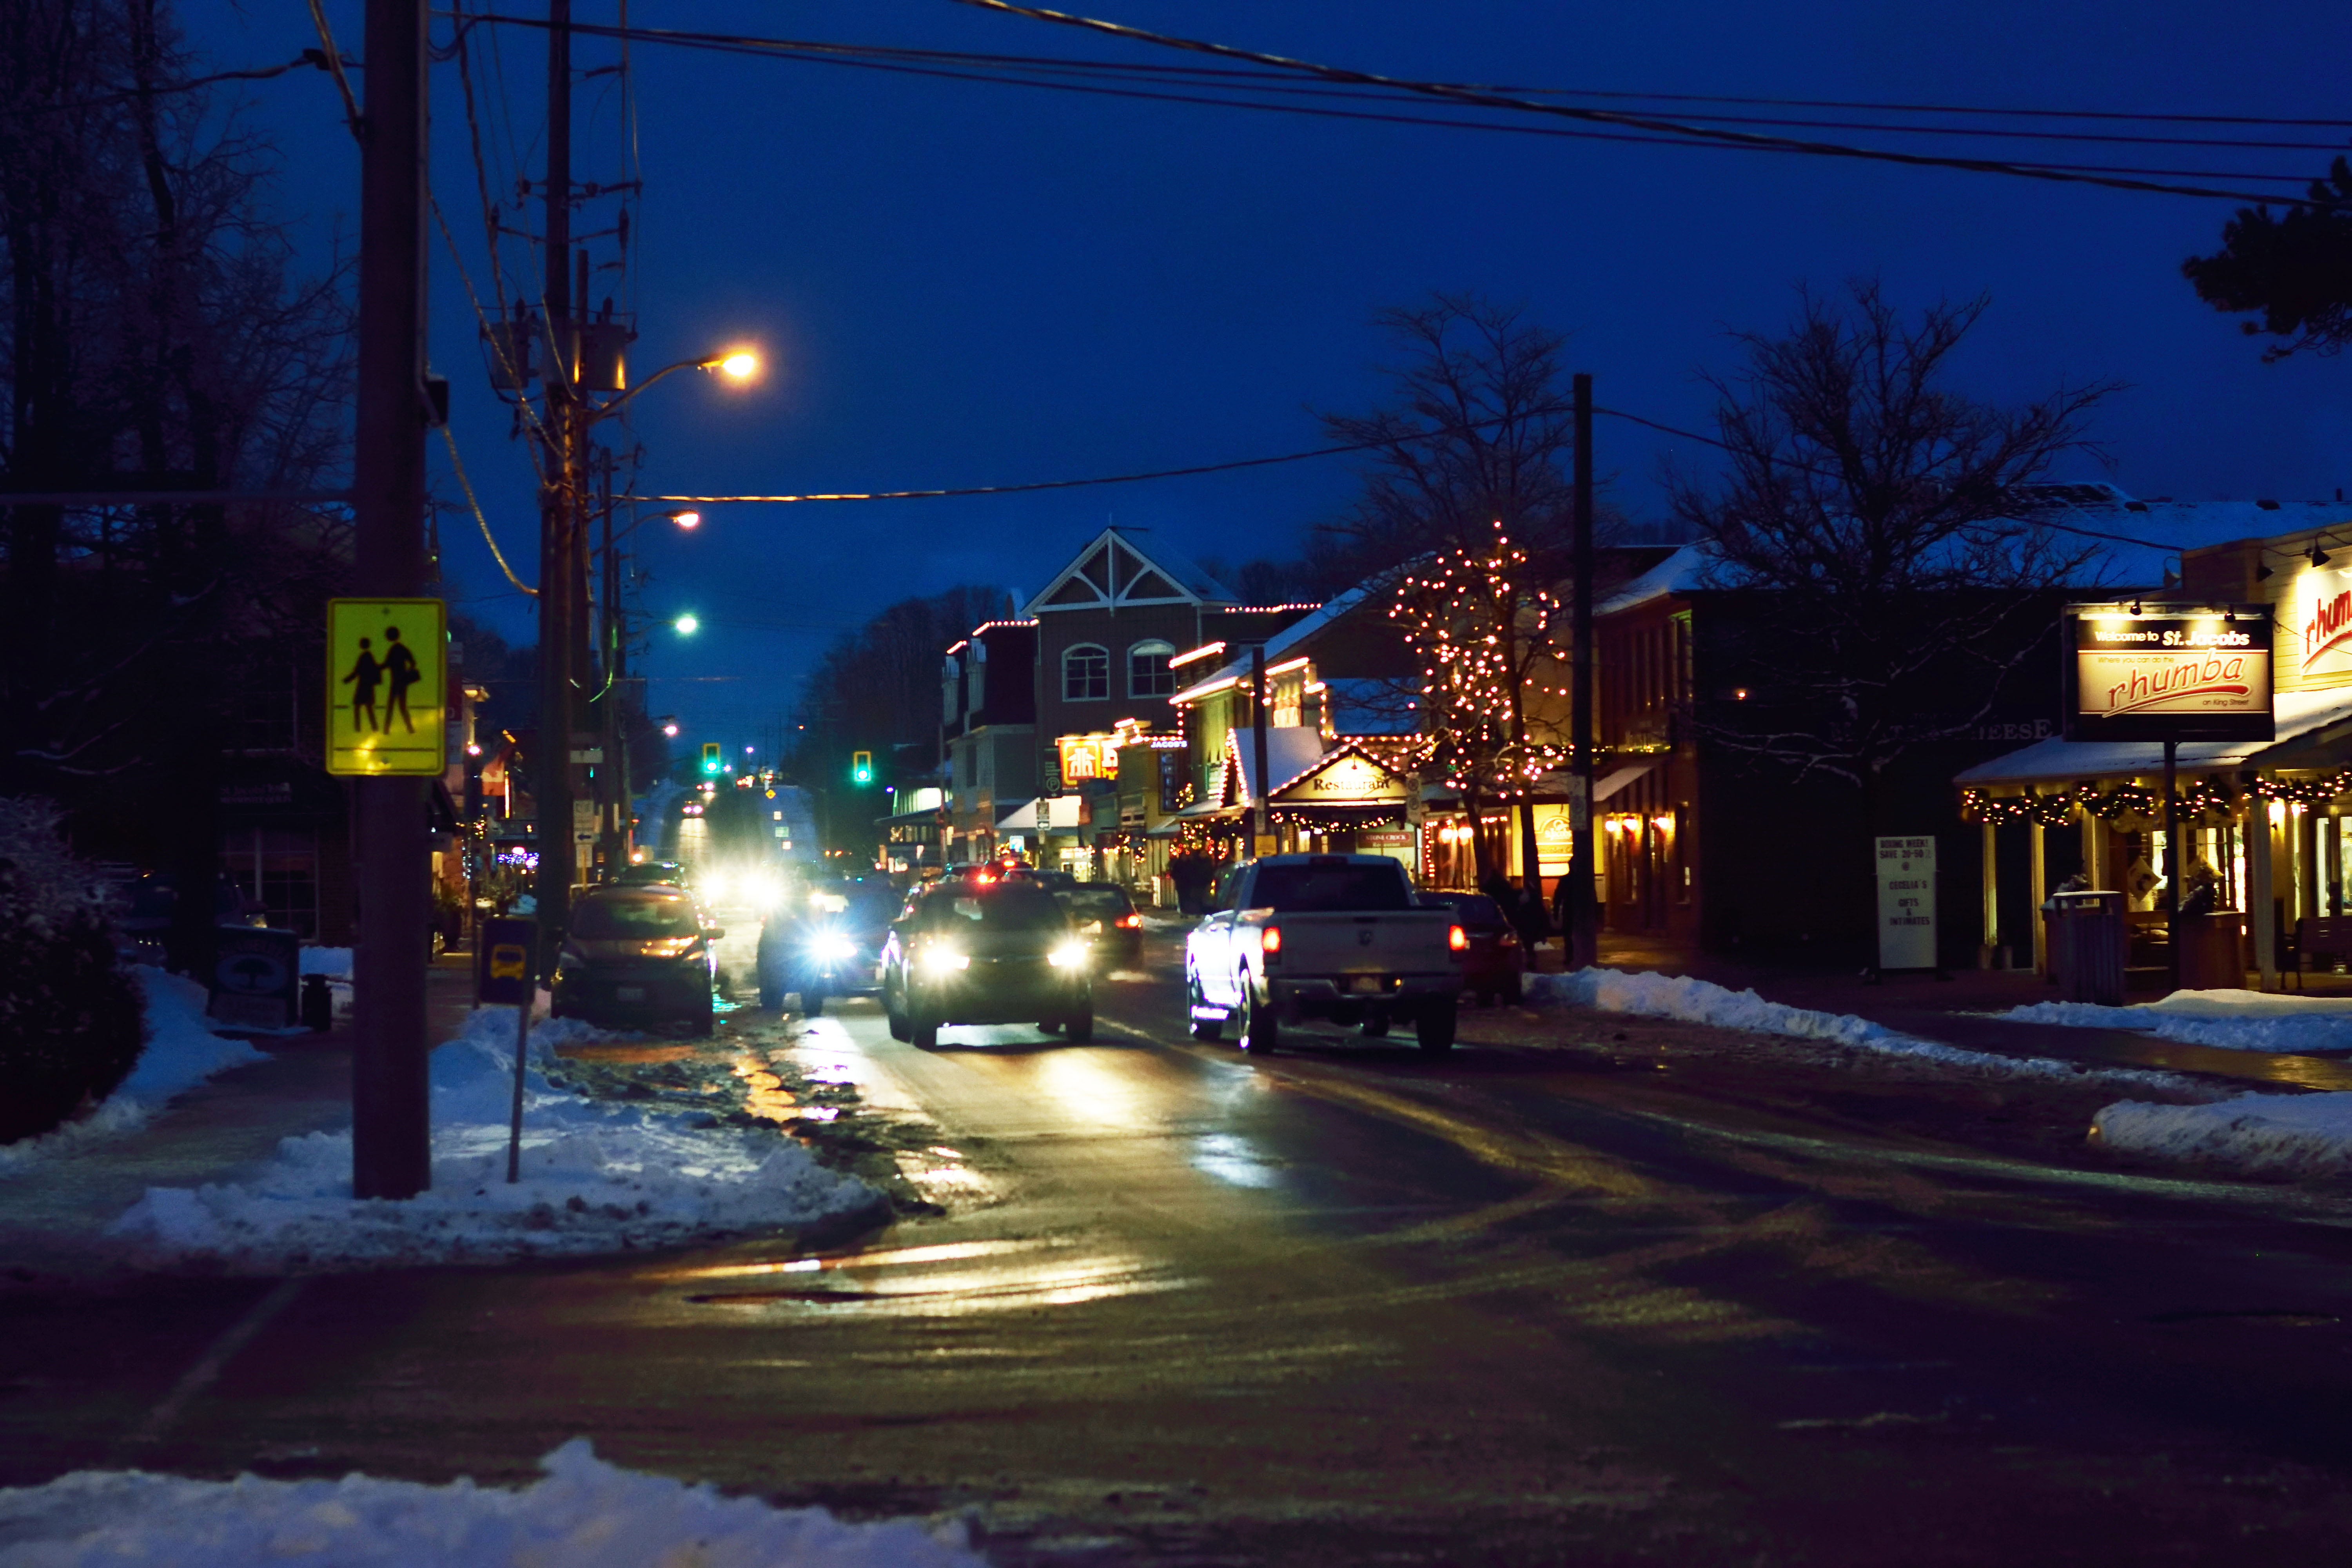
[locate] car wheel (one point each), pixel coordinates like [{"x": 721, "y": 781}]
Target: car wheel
[
  {"x": 1260, "y": 1033},
  {"x": 924, "y": 1035},
  {"x": 1203, "y": 1028},
  {"x": 1433, "y": 1026},
  {"x": 811, "y": 1001},
  {"x": 702, "y": 1023},
  {"x": 1376, "y": 1023},
  {"x": 1079, "y": 1027},
  {"x": 897, "y": 1022}
]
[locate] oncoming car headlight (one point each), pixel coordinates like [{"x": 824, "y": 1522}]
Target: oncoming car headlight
[
  {"x": 832, "y": 945},
  {"x": 937, "y": 959},
  {"x": 1069, "y": 955}
]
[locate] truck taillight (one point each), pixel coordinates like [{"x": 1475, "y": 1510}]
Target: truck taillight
[
  {"x": 1457, "y": 939},
  {"x": 1270, "y": 940}
]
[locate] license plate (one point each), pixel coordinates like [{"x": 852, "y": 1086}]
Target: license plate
[
  {"x": 1367, "y": 983},
  {"x": 628, "y": 993}
]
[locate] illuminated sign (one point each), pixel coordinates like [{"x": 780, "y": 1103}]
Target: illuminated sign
[
  {"x": 1348, "y": 779},
  {"x": 1088, "y": 757},
  {"x": 2171, "y": 674}
]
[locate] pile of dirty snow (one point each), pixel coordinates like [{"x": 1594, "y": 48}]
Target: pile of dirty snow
[
  {"x": 181, "y": 1052},
  {"x": 584, "y": 1514},
  {"x": 334, "y": 961},
  {"x": 1647, "y": 993},
  {"x": 2230, "y": 1020},
  {"x": 2258, "y": 1134},
  {"x": 596, "y": 1177}
]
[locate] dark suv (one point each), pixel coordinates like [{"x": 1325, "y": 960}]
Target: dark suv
[
  {"x": 635, "y": 955},
  {"x": 986, "y": 950}
]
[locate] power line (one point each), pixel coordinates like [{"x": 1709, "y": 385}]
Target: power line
[{"x": 1694, "y": 133}]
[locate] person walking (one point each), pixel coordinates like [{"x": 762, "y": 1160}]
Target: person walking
[
  {"x": 363, "y": 680},
  {"x": 400, "y": 669}
]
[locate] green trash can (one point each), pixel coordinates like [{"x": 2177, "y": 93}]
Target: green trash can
[{"x": 2086, "y": 946}]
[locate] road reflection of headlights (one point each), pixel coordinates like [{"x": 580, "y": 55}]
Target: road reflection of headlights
[
  {"x": 1069, "y": 955},
  {"x": 942, "y": 960},
  {"x": 834, "y": 945}
]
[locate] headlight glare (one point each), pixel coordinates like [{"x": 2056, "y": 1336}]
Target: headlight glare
[
  {"x": 1069, "y": 955},
  {"x": 942, "y": 960},
  {"x": 833, "y": 945}
]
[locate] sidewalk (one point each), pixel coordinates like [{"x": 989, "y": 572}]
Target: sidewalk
[{"x": 220, "y": 1131}]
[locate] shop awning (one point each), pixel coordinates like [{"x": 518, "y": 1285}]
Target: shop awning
[
  {"x": 1023, "y": 820},
  {"x": 1617, "y": 778},
  {"x": 2314, "y": 730}
]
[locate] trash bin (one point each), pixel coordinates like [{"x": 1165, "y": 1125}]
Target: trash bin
[
  {"x": 2086, "y": 946},
  {"x": 2213, "y": 950}
]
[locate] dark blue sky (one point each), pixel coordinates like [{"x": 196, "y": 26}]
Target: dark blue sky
[{"x": 967, "y": 284}]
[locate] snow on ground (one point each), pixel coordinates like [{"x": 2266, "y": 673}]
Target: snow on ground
[
  {"x": 596, "y": 1177},
  {"x": 334, "y": 961},
  {"x": 2230, "y": 1020},
  {"x": 1647, "y": 994},
  {"x": 584, "y": 1514},
  {"x": 2257, "y": 1134},
  {"x": 182, "y": 1051}
]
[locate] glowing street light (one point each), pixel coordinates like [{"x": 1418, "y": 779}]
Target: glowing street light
[
  {"x": 743, "y": 365},
  {"x": 687, "y": 624},
  {"x": 688, "y": 520},
  {"x": 670, "y": 729}
]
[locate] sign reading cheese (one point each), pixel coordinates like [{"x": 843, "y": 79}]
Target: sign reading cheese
[{"x": 2169, "y": 674}]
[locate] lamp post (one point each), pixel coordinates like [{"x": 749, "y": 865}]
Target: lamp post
[{"x": 612, "y": 807}]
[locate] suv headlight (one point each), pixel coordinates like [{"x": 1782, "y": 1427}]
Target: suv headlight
[
  {"x": 833, "y": 945},
  {"x": 941, "y": 959},
  {"x": 1069, "y": 955}
]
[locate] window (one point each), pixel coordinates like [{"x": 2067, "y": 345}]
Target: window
[
  {"x": 1086, "y": 674},
  {"x": 1147, "y": 674}
]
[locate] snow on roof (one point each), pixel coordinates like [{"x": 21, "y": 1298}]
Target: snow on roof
[
  {"x": 1278, "y": 646},
  {"x": 2302, "y": 715},
  {"x": 1678, "y": 573},
  {"x": 1290, "y": 750},
  {"x": 2138, "y": 542}
]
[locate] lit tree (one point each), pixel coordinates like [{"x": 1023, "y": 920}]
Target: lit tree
[{"x": 1485, "y": 627}]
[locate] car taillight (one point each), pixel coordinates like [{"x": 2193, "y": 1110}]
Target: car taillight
[
  {"x": 1270, "y": 940},
  {"x": 1130, "y": 923},
  {"x": 1457, "y": 939}
]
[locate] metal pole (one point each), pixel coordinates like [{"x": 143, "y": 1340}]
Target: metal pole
[
  {"x": 1583, "y": 937},
  {"x": 391, "y": 1117},
  {"x": 553, "y": 776},
  {"x": 2171, "y": 866},
  {"x": 612, "y": 801},
  {"x": 1257, "y": 746}
]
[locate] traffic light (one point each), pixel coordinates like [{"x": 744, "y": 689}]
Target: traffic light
[
  {"x": 861, "y": 768},
  {"x": 711, "y": 764}
]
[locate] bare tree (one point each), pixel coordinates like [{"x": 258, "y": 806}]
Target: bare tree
[{"x": 1870, "y": 510}]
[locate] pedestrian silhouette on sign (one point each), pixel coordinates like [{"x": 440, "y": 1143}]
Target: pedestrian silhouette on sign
[
  {"x": 400, "y": 668},
  {"x": 365, "y": 673}
]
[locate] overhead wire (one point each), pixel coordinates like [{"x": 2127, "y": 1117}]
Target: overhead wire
[
  {"x": 458, "y": 464},
  {"x": 334, "y": 63}
]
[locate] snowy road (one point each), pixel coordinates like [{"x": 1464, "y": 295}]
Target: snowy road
[{"x": 1517, "y": 1304}]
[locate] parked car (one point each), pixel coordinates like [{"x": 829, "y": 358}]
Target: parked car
[
  {"x": 635, "y": 955},
  {"x": 1104, "y": 914},
  {"x": 1322, "y": 936},
  {"x": 825, "y": 942},
  {"x": 1495, "y": 962},
  {"x": 649, "y": 873},
  {"x": 986, "y": 950}
]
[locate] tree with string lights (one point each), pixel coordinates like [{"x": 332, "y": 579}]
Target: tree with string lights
[{"x": 1488, "y": 631}]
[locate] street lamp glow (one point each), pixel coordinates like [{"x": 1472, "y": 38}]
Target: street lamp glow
[
  {"x": 670, "y": 729},
  {"x": 687, "y": 624},
  {"x": 743, "y": 365},
  {"x": 687, "y": 519}
]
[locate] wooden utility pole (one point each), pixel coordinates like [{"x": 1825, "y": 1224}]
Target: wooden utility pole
[
  {"x": 391, "y": 1122},
  {"x": 558, "y": 511},
  {"x": 1582, "y": 938}
]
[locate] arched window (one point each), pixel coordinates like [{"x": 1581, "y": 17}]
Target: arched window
[
  {"x": 1086, "y": 674},
  {"x": 1147, "y": 674}
]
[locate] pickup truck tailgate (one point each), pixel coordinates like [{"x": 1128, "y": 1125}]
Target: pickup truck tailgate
[{"x": 1402, "y": 942}]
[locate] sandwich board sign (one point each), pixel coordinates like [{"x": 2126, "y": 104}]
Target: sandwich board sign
[
  {"x": 387, "y": 683},
  {"x": 1906, "y": 903}
]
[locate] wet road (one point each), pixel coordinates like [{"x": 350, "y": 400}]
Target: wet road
[{"x": 1343, "y": 1304}]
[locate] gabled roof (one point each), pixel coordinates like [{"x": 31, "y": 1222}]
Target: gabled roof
[
  {"x": 1291, "y": 750},
  {"x": 1117, "y": 569}
]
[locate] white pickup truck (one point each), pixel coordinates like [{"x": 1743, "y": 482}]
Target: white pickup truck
[{"x": 1322, "y": 936}]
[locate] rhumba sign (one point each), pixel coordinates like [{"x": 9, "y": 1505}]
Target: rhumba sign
[{"x": 2168, "y": 672}]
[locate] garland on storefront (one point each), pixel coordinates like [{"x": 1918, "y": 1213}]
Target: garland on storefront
[
  {"x": 2209, "y": 797},
  {"x": 2305, "y": 792},
  {"x": 2000, "y": 811},
  {"x": 2125, "y": 800}
]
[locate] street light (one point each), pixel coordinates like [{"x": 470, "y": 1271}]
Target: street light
[
  {"x": 741, "y": 364},
  {"x": 687, "y": 624},
  {"x": 688, "y": 520}
]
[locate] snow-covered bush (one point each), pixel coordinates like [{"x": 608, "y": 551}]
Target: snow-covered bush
[{"x": 69, "y": 1015}]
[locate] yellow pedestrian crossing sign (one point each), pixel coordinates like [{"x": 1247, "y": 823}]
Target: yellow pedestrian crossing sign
[{"x": 387, "y": 681}]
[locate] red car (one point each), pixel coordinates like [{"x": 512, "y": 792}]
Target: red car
[{"x": 1495, "y": 959}]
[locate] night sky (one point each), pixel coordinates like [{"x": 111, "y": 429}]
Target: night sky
[{"x": 964, "y": 283}]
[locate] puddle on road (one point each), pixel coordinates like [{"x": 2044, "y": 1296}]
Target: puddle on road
[{"x": 945, "y": 1280}]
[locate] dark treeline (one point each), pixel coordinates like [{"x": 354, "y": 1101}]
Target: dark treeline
[{"x": 878, "y": 689}]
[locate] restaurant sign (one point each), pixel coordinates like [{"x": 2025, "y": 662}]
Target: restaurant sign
[
  {"x": 2168, "y": 673},
  {"x": 1349, "y": 778}
]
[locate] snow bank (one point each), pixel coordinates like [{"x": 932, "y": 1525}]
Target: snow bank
[
  {"x": 334, "y": 961},
  {"x": 585, "y": 1514},
  {"x": 2230, "y": 1020},
  {"x": 2260, "y": 1134},
  {"x": 1647, "y": 993},
  {"x": 182, "y": 1051},
  {"x": 596, "y": 1177}
]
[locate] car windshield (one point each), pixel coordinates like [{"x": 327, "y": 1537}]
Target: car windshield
[
  {"x": 1476, "y": 908},
  {"x": 1097, "y": 903},
  {"x": 633, "y": 920},
  {"x": 1309, "y": 889},
  {"x": 1000, "y": 909}
]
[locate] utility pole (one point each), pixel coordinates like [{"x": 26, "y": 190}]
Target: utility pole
[
  {"x": 612, "y": 800},
  {"x": 391, "y": 1117},
  {"x": 1582, "y": 938},
  {"x": 1258, "y": 825},
  {"x": 558, "y": 507}
]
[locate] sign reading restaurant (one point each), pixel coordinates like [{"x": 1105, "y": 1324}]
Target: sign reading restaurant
[{"x": 2168, "y": 672}]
